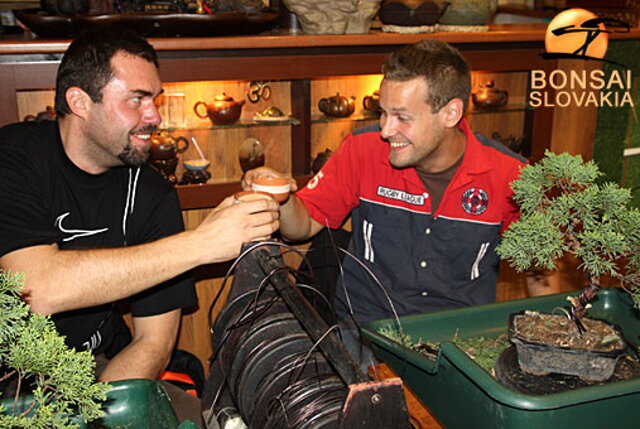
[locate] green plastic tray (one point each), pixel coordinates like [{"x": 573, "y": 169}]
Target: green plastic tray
[
  {"x": 132, "y": 404},
  {"x": 461, "y": 394}
]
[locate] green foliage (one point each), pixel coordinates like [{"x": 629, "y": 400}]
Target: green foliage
[
  {"x": 61, "y": 380},
  {"x": 564, "y": 209},
  {"x": 484, "y": 351},
  {"x": 13, "y": 311},
  {"x": 397, "y": 336}
]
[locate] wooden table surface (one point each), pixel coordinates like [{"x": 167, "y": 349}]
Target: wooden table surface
[{"x": 419, "y": 414}]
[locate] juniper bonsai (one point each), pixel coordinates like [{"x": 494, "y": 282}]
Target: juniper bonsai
[
  {"x": 565, "y": 209},
  {"x": 60, "y": 380}
]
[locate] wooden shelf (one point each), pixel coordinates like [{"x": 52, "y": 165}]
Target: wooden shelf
[
  {"x": 28, "y": 63},
  {"x": 322, "y": 118},
  {"x": 27, "y": 43},
  {"x": 504, "y": 109},
  {"x": 240, "y": 124}
]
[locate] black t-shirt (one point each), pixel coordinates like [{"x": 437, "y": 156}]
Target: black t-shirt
[{"x": 45, "y": 199}]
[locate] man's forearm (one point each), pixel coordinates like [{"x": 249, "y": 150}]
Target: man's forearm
[
  {"x": 295, "y": 222},
  {"x": 150, "y": 350},
  {"x": 60, "y": 280},
  {"x": 135, "y": 361}
]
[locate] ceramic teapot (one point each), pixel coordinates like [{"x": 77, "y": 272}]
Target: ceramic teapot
[
  {"x": 371, "y": 102},
  {"x": 47, "y": 115},
  {"x": 320, "y": 159},
  {"x": 222, "y": 111},
  {"x": 411, "y": 13},
  {"x": 469, "y": 12},
  {"x": 489, "y": 97},
  {"x": 250, "y": 154},
  {"x": 337, "y": 105},
  {"x": 165, "y": 146}
]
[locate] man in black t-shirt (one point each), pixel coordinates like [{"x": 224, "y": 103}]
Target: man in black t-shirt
[{"x": 90, "y": 224}]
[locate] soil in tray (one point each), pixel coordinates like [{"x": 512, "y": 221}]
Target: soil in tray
[
  {"x": 559, "y": 330},
  {"x": 508, "y": 372}
]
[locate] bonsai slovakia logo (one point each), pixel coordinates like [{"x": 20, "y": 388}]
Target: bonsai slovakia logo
[{"x": 580, "y": 34}]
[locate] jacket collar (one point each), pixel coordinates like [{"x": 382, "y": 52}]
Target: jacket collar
[{"x": 473, "y": 161}]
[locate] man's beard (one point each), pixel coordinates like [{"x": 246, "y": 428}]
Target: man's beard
[{"x": 133, "y": 158}]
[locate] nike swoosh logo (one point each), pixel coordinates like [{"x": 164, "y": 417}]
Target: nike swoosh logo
[{"x": 76, "y": 233}]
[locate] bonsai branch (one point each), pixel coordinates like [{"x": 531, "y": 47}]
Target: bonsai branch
[
  {"x": 564, "y": 210},
  {"x": 7, "y": 375},
  {"x": 580, "y": 304},
  {"x": 28, "y": 410}
]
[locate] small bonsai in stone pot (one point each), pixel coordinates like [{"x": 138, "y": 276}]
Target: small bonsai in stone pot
[
  {"x": 54, "y": 385},
  {"x": 564, "y": 209}
]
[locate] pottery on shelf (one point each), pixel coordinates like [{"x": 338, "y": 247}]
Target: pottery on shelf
[
  {"x": 360, "y": 21},
  {"x": 66, "y": 7},
  {"x": 334, "y": 17},
  {"x": 320, "y": 160},
  {"x": 250, "y": 154},
  {"x": 165, "y": 146},
  {"x": 167, "y": 168},
  {"x": 46, "y": 115},
  {"x": 411, "y": 12},
  {"x": 337, "y": 105},
  {"x": 223, "y": 110},
  {"x": 371, "y": 103},
  {"x": 489, "y": 97},
  {"x": 163, "y": 153},
  {"x": 469, "y": 12},
  {"x": 195, "y": 172}
]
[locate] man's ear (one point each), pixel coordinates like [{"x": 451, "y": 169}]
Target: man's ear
[
  {"x": 79, "y": 101},
  {"x": 452, "y": 112}
]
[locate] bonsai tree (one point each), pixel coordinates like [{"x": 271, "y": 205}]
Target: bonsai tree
[
  {"x": 60, "y": 380},
  {"x": 564, "y": 209}
]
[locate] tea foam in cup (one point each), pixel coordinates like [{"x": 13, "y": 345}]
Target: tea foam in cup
[{"x": 245, "y": 196}]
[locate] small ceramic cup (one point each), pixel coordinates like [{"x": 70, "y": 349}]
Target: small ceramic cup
[
  {"x": 251, "y": 196},
  {"x": 277, "y": 186}
]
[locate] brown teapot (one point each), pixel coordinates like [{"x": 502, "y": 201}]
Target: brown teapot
[
  {"x": 371, "y": 102},
  {"x": 47, "y": 115},
  {"x": 222, "y": 111},
  {"x": 164, "y": 146},
  {"x": 489, "y": 97},
  {"x": 337, "y": 105},
  {"x": 411, "y": 13},
  {"x": 320, "y": 160}
]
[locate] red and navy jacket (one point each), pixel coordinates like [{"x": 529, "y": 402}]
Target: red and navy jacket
[{"x": 425, "y": 261}]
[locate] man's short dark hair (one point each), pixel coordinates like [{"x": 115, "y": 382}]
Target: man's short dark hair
[
  {"x": 446, "y": 72},
  {"x": 87, "y": 62}
]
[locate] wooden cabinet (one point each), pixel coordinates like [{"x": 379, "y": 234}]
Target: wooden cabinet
[{"x": 301, "y": 69}]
